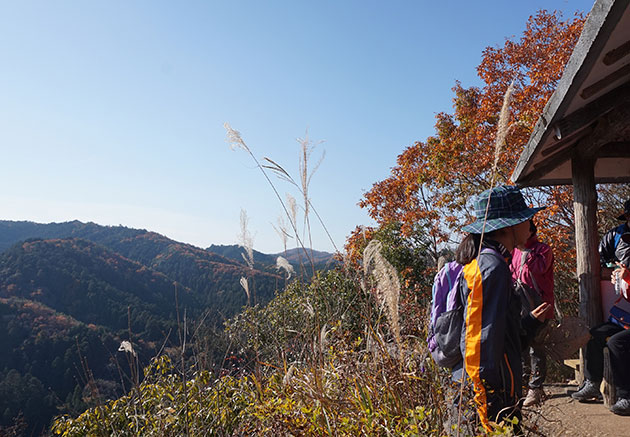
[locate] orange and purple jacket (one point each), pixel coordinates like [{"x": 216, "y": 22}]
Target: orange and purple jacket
[{"x": 493, "y": 334}]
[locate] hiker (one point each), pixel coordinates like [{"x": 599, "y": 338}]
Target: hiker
[
  {"x": 532, "y": 265},
  {"x": 491, "y": 342},
  {"x": 612, "y": 248},
  {"x": 614, "y": 334}
]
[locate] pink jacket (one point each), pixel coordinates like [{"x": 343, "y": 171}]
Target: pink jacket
[{"x": 539, "y": 265}]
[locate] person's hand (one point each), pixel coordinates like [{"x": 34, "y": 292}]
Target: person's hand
[
  {"x": 540, "y": 311},
  {"x": 621, "y": 272}
]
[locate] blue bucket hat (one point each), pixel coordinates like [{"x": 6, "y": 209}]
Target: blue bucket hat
[{"x": 507, "y": 208}]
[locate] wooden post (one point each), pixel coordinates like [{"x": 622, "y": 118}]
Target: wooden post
[{"x": 586, "y": 241}]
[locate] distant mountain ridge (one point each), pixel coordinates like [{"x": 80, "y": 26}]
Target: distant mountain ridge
[
  {"x": 296, "y": 257},
  {"x": 211, "y": 275},
  {"x": 116, "y": 238}
]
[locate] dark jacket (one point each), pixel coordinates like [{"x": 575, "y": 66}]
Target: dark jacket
[
  {"x": 608, "y": 252},
  {"x": 494, "y": 334}
]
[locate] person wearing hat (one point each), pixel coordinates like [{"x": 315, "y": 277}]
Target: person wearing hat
[
  {"x": 491, "y": 336},
  {"x": 612, "y": 248},
  {"x": 616, "y": 337}
]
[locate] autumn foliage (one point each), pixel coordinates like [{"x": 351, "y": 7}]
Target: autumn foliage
[{"x": 434, "y": 180}]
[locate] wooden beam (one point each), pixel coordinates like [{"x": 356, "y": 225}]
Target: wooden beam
[
  {"x": 611, "y": 128},
  {"x": 568, "y": 181},
  {"x": 601, "y": 22},
  {"x": 619, "y": 149},
  {"x": 609, "y": 138},
  {"x": 566, "y": 141},
  {"x": 617, "y": 53},
  {"x": 547, "y": 165},
  {"x": 604, "y": 83},
  {"x": 593, "y": 110}
]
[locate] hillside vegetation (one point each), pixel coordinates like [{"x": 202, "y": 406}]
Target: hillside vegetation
[{"x": 71, "y": 292}]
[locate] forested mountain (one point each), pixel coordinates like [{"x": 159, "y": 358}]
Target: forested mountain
[
  {"x": 71, "y": 292},
  {"x": 92, "y": 285},
  {"x": 297, "y": 257},
  {"x": 65, "y": 305},
  {"x": 214, "y": 278}
]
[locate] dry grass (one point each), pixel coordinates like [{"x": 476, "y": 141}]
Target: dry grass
[{"x": 387, "y": 285}]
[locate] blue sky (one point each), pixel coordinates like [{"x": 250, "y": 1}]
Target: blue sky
[{"x": 113, "y": 112}]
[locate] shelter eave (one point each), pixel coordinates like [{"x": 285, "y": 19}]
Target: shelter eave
[{"x": 588, "y": 89}]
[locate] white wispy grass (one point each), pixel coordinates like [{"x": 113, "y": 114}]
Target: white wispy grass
[
  {"x": 283, "y": 264},
  {"x": 246, "y": 241},
  {"x": 245, "y": 286},
  {"x": 387, "y": 284},
  {"x": 292, "y": 205},
  {"x": 283, "y": 231},
  {"x": 503, "y": 126},
  {"x": 306, "y": 149},
  {"x": 125, "y": 346},
  {"x": 234, "y": 138},
  {"x": 236, "y": 142}
]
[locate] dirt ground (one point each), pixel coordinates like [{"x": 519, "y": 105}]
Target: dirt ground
[{"x": 560, "y": 415}]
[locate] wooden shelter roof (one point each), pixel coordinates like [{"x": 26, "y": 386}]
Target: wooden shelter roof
[{"x": 589, "y": 113}]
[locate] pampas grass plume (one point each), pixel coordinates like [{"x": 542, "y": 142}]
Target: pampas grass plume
[
  {"x": 503, "y": 126},
  {"x": 245, "y": 286},
  {"x": 126, "y": 346},
  {"x": 387, "y": 284},
  {"x": 283, "y": 264},
  {"x": 246, "y": 241}
]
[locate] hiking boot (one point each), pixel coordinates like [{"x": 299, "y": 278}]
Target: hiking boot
[
  {"x": 621, "y": 407},
  {"x": 589, "y": 391},
  {"x": 535, "y": 396}
]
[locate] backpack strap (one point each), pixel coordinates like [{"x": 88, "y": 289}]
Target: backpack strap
[
  {"x": 453, "y": 283},
  {"x": 523, "y": 259},
  {"x": 492, "y": 251},
  {"x": 618, "y": 231}
]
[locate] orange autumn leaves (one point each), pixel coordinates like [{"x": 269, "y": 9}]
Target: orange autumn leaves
[{"x": 434, "y": 179}]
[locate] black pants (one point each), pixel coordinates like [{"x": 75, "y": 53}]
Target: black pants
[
  {"x": 618, "y": 341},
  {"x": 535, "y": 366}
]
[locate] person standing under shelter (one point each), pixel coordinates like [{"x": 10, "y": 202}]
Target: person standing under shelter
[
  {"x": 491, "y": 342},
  {"x": 532, "y": 265}
]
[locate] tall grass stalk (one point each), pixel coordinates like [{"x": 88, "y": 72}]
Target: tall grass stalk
[
  {"x": 306, "y": 148},
  {"x": 502, "y": 127},
  {"x": 284, "y": 175},
  {"x": 282, "y": 232},
  {"x": 387, "y": 285},
  {"x": 246, "y": 240},
  {"x": 245, "y": 286},
  {"x": 182, "y": 339},
  {"x": 236, "y": 142}
]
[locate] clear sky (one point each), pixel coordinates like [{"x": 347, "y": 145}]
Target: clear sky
[{"x": 113, "y": 111}]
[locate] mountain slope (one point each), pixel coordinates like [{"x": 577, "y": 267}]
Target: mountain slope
[
  {"x": 214, "y": 278},
  {"x": 91, "y": 284},
  {"x": 67, "y": 303}
]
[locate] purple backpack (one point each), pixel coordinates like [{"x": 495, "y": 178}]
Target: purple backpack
[{"x": 446, "y": 316}]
